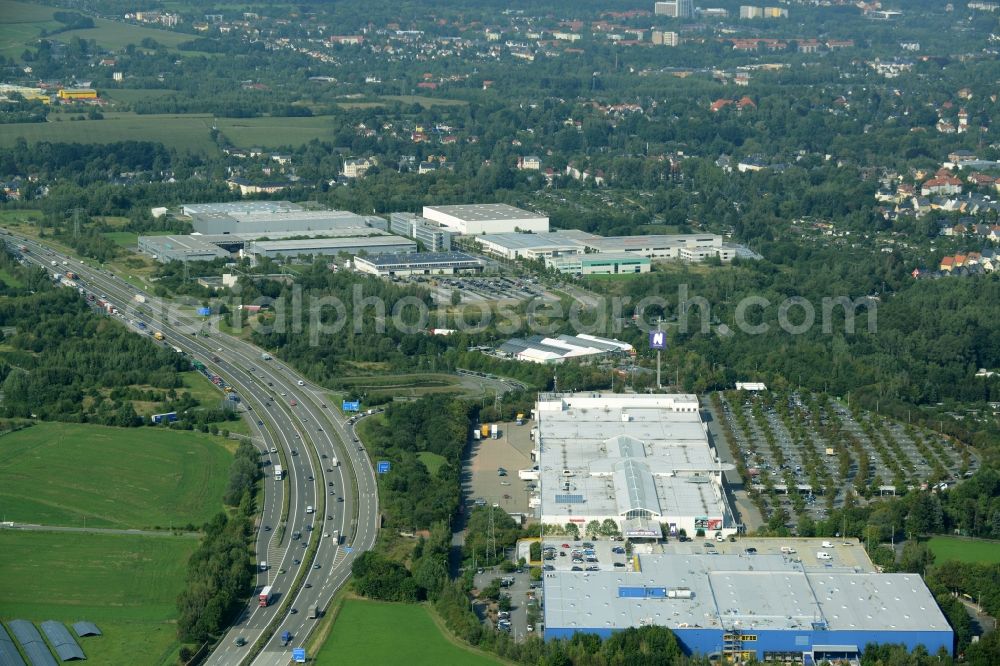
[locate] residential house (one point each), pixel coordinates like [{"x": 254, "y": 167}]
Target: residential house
[
  {"x": 357, "y": 168},
  {"x": 941, "y": 185}
]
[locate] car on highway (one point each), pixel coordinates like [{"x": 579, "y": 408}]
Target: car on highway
[
  {"x": 315, "y": 566},
  {"x": 340, "y": 499},
  {"x": 267, "y": 528},
  {"x": 296, "y": 561},
  {"x": 260, "y": 423},
  {"x": 293, "y": 611},
  {"x": 295, "y": 452},
  {"x": 274, "y": 449},
  {"x": 240, "y": 641},
  {"x": 307, "y": 585}
]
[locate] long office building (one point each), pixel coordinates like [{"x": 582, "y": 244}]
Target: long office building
[
  {"x": 642, "y": 461},
  {"x": 601, "y": 263},
  {"x": 476, "y": 219},
  {"x": 419, "y": 263},
  {"x": 688, "y": 247},
  {"x": 433, "y": 237}
]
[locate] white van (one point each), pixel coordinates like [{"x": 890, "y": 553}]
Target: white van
[
  {"x": 827, "y": 544},
  {"x": 823, "y": 555},
  {"x": 309, "y": 509},
  {"x": 301, "y": 383},
  {"x": 787, "y": 550},
  {"x": 263, "y": 565}
]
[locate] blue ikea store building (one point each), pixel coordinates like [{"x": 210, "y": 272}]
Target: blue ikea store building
[{"x": 769, "y": 606}]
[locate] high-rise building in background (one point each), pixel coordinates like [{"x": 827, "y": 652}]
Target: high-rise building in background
[{"x": 674, "y": 8}]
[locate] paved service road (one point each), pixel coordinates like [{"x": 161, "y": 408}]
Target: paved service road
[{"x": 305, "y": 439}]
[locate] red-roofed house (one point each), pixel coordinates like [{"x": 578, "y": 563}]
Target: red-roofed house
[{"x": 941, "y": 185}]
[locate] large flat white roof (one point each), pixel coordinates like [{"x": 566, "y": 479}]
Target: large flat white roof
[
  {"x": 740, "y": 591},
  {"x": 484, "y": 212},
  {"x": 604, "y": 454},
  {"x": 521, "y": 241}
]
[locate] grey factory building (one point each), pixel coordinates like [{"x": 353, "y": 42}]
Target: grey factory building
[
  {"x": 375, "y": 244},
  {"x": 265, "y": 222},
  {"x": 180, "y": 248}
]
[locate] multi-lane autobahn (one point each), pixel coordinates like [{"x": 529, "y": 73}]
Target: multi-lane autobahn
[{"x": 329, "y": 485}]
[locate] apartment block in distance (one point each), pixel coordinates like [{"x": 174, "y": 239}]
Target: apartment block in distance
[
  {"x": 664, "y": 38},
  {"x": 674, "y": 8}
]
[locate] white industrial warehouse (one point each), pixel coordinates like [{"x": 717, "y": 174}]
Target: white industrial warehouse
[
  {"x": 556, "y": 349},
  {"x": 640, "y": 460},
  {"x": 568, "y": 242},
  {"x": 475, "y": 219}
]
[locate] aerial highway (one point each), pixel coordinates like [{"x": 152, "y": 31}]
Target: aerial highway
[{"x": 330, "y": 482}]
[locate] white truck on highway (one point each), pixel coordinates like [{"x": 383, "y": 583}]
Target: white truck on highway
[
  {"x": 334, "y": 462},
  {"x": 139, "y": 298},
  {"x": 279, "y": 472}
]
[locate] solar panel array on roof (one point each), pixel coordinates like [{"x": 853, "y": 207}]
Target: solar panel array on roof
[
  {"x": 32, "y": 644},
  {"x": 64, "y": 643},
  {"x": 570, "y": 499},
  {"x": 86, "y": 629},
  {"x": 9, "y": 656}
]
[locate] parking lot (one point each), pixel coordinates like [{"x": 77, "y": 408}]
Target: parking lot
[
  {"x": 511, "y": 452},
  {"x": 562, "y": 554},
  {"x": 524, "y": 595},
  {"x": 843, "y": 553},
  {"x": 804, "y": 452}
]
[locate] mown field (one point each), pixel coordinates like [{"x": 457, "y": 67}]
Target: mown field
[
  {"x": 87, "y": 475},
  {"x": 114, "y": 35},
  {"x": 964, "y": 550},
  {"x": 371, "y": 632},
  {"x": 21, "y": 23},
  {"x": 184, "y": 132},
  {"x": 127, "y": 585}
]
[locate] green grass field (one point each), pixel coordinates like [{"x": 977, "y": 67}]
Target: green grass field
[
  {"x": 114, "y": 35},
  {"x": 383, "y": 633},
  {"x": 72, "y": 474},
  {"x": 21, "y": 23},
  {"x": 432, "y": 461},
  {"x": 184, "y": 132},
  {"x": 964, "y": 550},
  {"x": 127, "y": 585},
  {"x": 275, "y": 132},
  {"x": 9, "y": 279}
]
